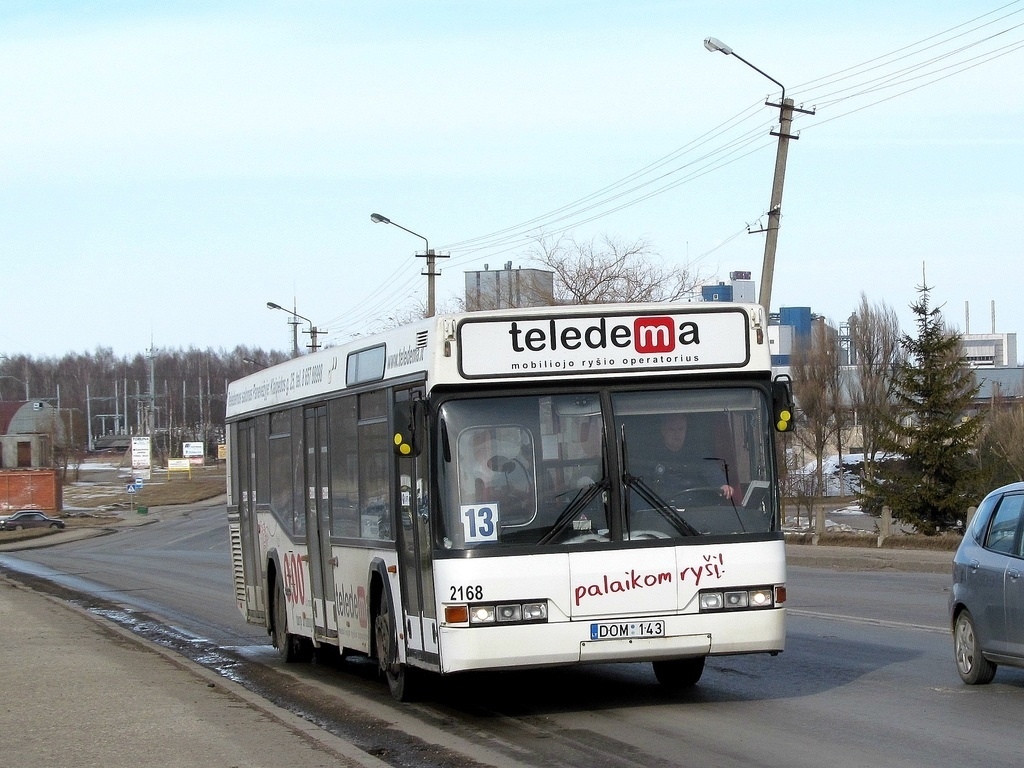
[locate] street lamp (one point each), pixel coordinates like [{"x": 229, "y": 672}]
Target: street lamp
[
  {"x": 430, "y": 256},
  {"x": 313, "y": 330},
  {"x": 786, "y": 111}
]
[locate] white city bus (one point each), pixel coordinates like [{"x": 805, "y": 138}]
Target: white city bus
[{"x": 484, "y": 491}]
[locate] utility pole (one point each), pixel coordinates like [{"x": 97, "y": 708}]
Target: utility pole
[
  {"x": 428, "y": 254},
  {"x": 313, "y": 330},
  {"x": 786, "y": 110},
  {"x": 431, "y": 274},
  {"x": 294, "y": 322},
  {"x": 775, "y": 208},
  {"x": 151, "y": 417}
]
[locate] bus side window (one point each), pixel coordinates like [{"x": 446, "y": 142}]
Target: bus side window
[
  {"x": 374, "y": 459},
  {"x": 344, "y": 468}
]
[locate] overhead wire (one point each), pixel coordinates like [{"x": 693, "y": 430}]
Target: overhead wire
[
  {"x": 961, "y": 67},
  {"x": 714, "y": 132},
  {"x": 720, "y": 148},
  {"x": 834, "y": 77}
]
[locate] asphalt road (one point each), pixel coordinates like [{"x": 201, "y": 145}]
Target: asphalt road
[{"x": 867, "y": 677}]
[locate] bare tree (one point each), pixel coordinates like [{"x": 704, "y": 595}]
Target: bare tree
[
  {"x": 877, "y": 354},
  {"x": 838, "y": 395},
  {"x": 1001, "y": 443},
  {"x": 814, "y": 367},
  {"x": 603, "y": 270}
]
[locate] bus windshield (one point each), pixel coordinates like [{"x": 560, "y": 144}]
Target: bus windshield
[{"x": 599, "y": 467}]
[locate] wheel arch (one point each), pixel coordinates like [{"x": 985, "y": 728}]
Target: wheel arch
[
  {"x": 378, "y": 585},
  {"x": 955, "y": 611},
  {"x": 272, "y": 571}
]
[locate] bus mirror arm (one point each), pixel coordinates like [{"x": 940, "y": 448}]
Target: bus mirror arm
[{"x": 408, "y": 415}]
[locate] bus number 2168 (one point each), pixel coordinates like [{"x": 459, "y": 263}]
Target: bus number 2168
[{"x": 467, "y": 593}]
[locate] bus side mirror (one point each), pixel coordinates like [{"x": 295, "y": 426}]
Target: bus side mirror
[
  {"x": 782, "y": 403},
  {"x": 407, "y": 430}
]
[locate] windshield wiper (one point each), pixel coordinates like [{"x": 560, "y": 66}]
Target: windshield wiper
[
  {"x": 648, "y": 494},
  {"x": 578, "y": 503},
  {"x": 666, "y": 510}
]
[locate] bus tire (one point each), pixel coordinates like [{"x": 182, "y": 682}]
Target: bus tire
[
  {"x": 402, "y": 680},
  {"x": 677, "y": 674},
  {"x": 290, "y": 648}
]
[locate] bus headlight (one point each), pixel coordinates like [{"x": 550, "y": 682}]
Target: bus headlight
[
  {"x": 737, "y": 599},
  {"x": 535, "y": 611},
  {"x": 744, "y": 598},
  {"x": 710, "y": 601},
  {"x": 532, "y": 612},
  {"x": 506, "y": 613},
  {"x": 481, "y": 614}
]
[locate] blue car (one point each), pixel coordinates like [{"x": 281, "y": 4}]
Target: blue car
[{"x": 986, "y": 604}]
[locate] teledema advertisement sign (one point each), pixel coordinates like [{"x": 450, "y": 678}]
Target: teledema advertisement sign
[{"x": 588, "y": 344}]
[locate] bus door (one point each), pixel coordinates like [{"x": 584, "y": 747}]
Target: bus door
[
  {"x": 414, "y": 550},
  {"x": 245, "y": 467},
  {"x": 318, "y": 525}
]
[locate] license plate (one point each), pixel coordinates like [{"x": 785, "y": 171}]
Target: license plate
[{"x": 618, "y": 630}]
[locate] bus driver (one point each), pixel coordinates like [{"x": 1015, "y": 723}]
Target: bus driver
[{"x": 682, "y": 464}]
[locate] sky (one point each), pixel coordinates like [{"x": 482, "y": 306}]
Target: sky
[{"x": 166, "y": 169}]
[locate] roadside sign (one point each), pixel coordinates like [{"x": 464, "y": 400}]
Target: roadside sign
[
  {"x": 133, "y": 487},
  {"x": 193, "y": 450},
  {"x": 142, "y": 457}
]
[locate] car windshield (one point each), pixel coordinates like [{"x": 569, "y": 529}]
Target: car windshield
[{"x": 591, "y": 467}]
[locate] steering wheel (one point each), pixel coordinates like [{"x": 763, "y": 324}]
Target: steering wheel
[
  {"x": 648, "y": 534},
  {"x": 583, "y": 538},
  {"x": 698, "y": 495}
]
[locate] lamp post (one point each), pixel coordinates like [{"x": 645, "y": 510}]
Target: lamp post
[
  {"x": 313, "y": 330},
  {"x": 786, "y": 110},
  {"x": 429, "y": 255}
]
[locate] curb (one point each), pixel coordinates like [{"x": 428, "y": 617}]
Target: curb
[{"x": 345, "y": 752}]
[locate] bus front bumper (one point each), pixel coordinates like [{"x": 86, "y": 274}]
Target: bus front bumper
[{"x": 466, "y": 648}]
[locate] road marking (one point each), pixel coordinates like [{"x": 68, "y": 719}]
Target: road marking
[{"x": 863, "y": 620}]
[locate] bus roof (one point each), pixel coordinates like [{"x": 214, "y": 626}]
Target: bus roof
[{"x": 538, "y": 343}]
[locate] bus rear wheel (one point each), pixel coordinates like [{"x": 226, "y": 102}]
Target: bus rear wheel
[
  {"x": 677, "y": 674},
  {"x": 290, "y": 648},
  {"x": 402, "y": 680}
]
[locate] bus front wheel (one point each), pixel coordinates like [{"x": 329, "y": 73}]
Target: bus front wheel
[
  {"x": 401, "y": 679},
  {"x": 290, "y": 648},
  {"x": 677, "y": 674}
]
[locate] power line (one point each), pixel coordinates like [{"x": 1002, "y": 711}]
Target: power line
[{"x": 720, "y": 148}]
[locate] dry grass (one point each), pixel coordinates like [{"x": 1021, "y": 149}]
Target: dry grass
[
  {"x": 939, "y": 542},
  {"x": 205, "y": 483},
  {"x": 104, "y": 499}
]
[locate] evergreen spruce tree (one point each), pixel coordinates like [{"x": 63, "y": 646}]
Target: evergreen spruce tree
[{"x": 931, "y": 428}]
